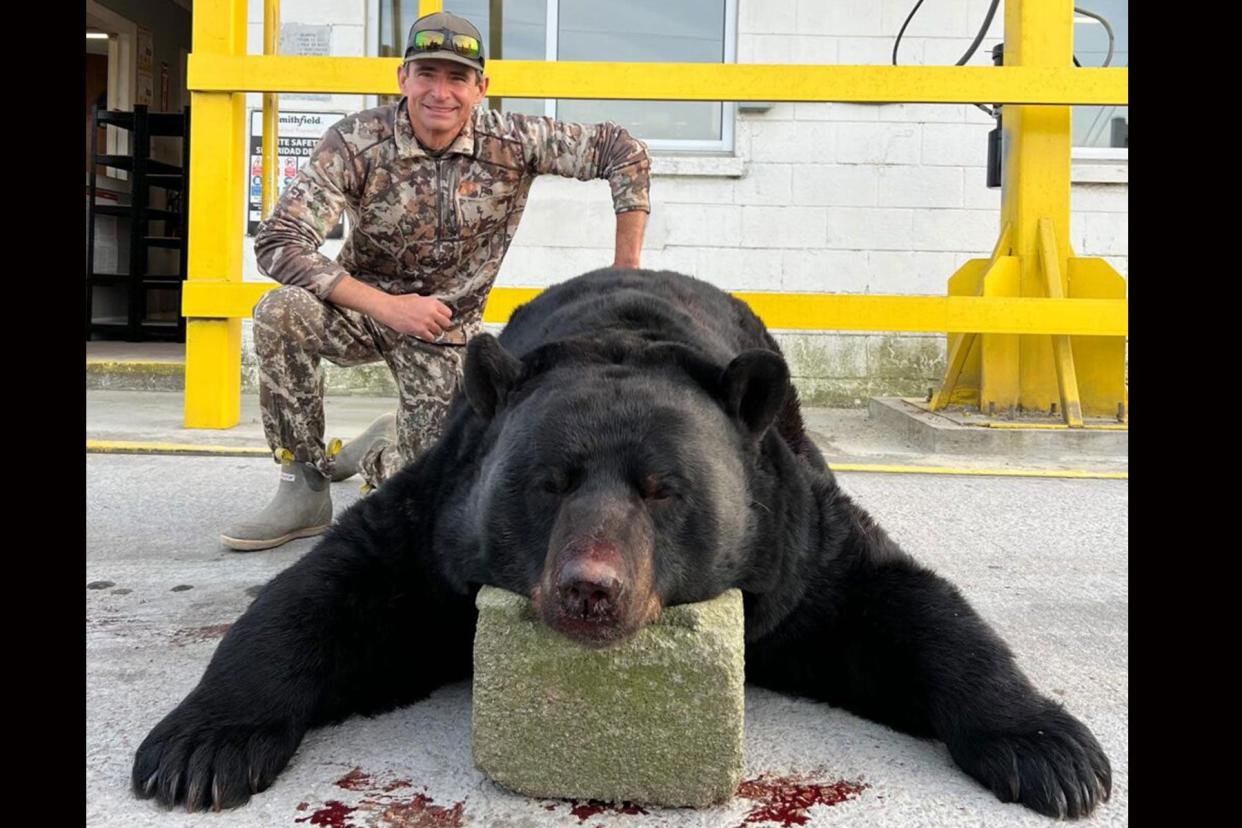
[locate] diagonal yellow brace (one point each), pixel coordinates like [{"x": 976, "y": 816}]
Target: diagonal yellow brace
[
  {"x": 1063, "y": 356},
  {"x": 957, "y": 361},
  {"x": 962, "y": 345}
]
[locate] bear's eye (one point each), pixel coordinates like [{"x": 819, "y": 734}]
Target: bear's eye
[
  {"x": 555, "y": 482},
  {"x": 655, "y": 487}
]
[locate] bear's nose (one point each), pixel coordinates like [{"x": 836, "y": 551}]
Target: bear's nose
[{"x": 588, "y": 588}]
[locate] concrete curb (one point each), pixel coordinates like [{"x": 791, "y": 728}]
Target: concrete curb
[{"x": 936, "y": 433}]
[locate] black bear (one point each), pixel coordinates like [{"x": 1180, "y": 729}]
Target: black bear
[{"x": 631, "y": 441}]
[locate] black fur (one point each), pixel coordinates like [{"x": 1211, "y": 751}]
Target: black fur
[{"x": 646, "y": 420}]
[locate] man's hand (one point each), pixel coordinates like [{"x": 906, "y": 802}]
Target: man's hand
[{"x": 425, "y": 317}]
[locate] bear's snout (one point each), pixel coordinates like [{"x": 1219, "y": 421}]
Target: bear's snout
[
  {"x": 588, "y": 588},
  {"x": 597, "y": 586},
  {"x": 588, "y": 594}
]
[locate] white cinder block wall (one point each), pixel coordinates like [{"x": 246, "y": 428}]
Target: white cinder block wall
[{"x": 850, "y": 198}]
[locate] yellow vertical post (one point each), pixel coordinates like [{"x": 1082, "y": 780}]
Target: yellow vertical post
[
  {"x": 426, "y": 7},
  {"x": 1085, "y": 374},
  {"x": 1067, "y": 377},
  {"x": 217, "y": 170},
  {"x": 1037, "y": 174},
  {"x": 271, "y": 110}
]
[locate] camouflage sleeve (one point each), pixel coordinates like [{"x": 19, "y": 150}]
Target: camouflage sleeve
[
  {"x": 589, "y": 151},
  {"x": 287, "y": 244}
]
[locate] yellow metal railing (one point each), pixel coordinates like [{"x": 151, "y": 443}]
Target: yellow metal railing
[
  {"x": 684, "y": 81},
  {"x": 1029, "y": 326},
  {"x": 800, "y": 311}
]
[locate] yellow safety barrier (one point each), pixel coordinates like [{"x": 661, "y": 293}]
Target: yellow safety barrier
[{"x": 1030, "y": 327}]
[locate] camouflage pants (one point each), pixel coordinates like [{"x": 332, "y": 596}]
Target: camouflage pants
[{"x": 293, "y": 330}]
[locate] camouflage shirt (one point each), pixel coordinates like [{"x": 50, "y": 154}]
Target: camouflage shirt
[{"x": 436, "y": 225}]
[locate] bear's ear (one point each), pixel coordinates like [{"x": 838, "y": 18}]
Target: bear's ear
[
  {"x": 489, "y": 374},
  {"x": 754, "y": 387}
]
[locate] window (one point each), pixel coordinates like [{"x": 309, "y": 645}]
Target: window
[
  {"x": 685, "y": 31},
  {"x": 1102, "y": 126}
]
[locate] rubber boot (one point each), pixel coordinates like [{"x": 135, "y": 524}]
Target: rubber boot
[
  {"x": 347, "y": 457},
  {"x": 301, "y": 508}
]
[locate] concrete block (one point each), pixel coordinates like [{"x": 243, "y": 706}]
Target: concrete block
[{"x": 657, "y": 719}]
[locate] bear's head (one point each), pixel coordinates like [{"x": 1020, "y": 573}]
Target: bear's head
[{"x": 616, "y": 477}]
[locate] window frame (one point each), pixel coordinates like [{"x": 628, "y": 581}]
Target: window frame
[
  {"x": 1094, "y": 153},
  {"x": 725, "y": 144}
]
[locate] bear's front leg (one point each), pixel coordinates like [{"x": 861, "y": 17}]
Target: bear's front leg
[
  {"x": 363, "y": 623},
  {"x": 886, "y": 638}
]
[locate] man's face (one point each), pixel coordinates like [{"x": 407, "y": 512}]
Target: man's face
[{"x": 440, "y": 95}]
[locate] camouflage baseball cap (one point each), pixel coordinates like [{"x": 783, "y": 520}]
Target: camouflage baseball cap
[{"x": 445, "y": 36}]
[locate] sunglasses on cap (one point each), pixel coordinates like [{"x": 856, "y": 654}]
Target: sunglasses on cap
[{"x": 441, "y": 40}]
